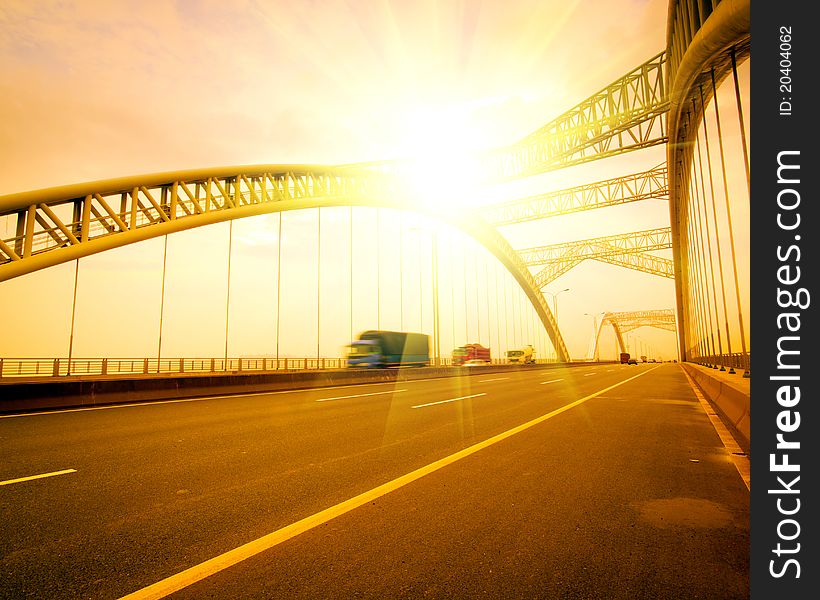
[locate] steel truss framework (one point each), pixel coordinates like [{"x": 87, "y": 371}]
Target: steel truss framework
[
  {"x": 625, "y": 250},
  {"x": 626, "y": 115},
  {"x": 610, "y": 192},
  {"x": 624, "y": 322},
  {"x": 57, "y": 225}
]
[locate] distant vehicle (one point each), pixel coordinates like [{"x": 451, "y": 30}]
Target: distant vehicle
[
  {"x": 643, "y": 359},
  {"x": 524, "y": 357},
  {"x": 651, "y": 360},
  {"x": 632, "y": 361},
  {"x": 380, "y": 349},
  {"x": 469, "y": 352},
  {"x": 624, "y": 358}
]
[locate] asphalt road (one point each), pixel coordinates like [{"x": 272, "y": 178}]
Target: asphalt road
[{"x": 626, "y": 494}]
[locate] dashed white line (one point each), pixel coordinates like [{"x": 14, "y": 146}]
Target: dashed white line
[
  {"x": 450, "y": 400},
  {"x": 590, "y": 374},
  {"x": 360, "y": 395},
  {"x": 489, "y": 380},
  {"x": 551, "y": 381},
  {"x": 30, "y": 477}
]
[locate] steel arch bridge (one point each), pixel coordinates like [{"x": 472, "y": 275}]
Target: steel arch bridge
[
  {"x": 652, "y": 104},
  {"x": 623, "y": 322},
  {"x": 62, "y": 224}
]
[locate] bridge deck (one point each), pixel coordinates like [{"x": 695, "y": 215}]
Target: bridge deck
[{"x": 601, "y": 481}]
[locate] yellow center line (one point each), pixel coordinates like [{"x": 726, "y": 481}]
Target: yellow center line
[
  {"x": 219, "y": 563},
  {"x": 41, "y": 476}
]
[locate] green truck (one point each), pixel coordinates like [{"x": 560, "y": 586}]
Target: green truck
[{"x": 381, "y": 349}]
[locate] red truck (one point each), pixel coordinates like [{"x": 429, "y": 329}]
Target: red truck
[
  {"x": 624, "y": 358},
  {"x": 470, "y": 352}
]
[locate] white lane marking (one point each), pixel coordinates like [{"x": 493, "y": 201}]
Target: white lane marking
[
  {"x": 551, "y": 381},
  {"x": 361, "y": 395},
  {"x": 30, "y": 477},
  {"x": 609, "y": 370},
  {"x": 489, "y": 380},
  {"x": 200, "y": 398},
  {"x": 590, "y": 374},
  {"x": 189, "y": 576},
  {"x": 450, "y": 400}
]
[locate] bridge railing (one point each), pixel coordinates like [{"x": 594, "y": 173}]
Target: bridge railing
[
  {"x": 89, "y": 367},
  {"x": 736, "y": 360},
  {"x": 63, "y": 367}
]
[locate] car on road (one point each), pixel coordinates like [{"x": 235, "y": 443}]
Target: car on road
[{"x": 632, "y": 361}]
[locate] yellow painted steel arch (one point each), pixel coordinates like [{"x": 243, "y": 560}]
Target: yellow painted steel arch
[
  {"x": 61, "y": 224},
  {"x": 703, "y": 39},
  {"x": 623, "y": 322}
]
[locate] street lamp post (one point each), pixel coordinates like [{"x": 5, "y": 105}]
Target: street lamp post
[{"x": 555, "y": 302}]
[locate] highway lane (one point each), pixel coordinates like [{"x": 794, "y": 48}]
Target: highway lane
[{"x": 162, "y": 487}]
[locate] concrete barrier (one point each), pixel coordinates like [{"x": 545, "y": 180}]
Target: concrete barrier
[
  {"x": 731, "y": 399},
  {"x": 72, "y": 393}
]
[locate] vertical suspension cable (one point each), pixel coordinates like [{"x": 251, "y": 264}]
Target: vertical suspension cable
[
  {"x": 278, "y": 287},
  {"x": 228, "y": 291},
  {"x": 162, "y": 301},
  {"x": 717, "y": 226},
  {"x": 401, "y": 271},
  {"x": 702, "y": 255},
  {"x": 434, "y": 290},
  {"x": 693, "y": 278},
  {"x": 709, "y": 245},
  {"x": 487, "y": 297},
  {"x": 421, "y": 295},
  {"x": 697, "y": 260},
  {"x": 452, "y": 291},
  {"x": 497, "y": 312},
  {"x": 378, "y": 270},
  {"x": 477, "y": 295},
  {"x": 703, "y": 223},
  {"x": 318, "y": 284},
  {"x": 742, "y": 125},
  {"x": 731, "y": 229},
  {"x": 506, "y": 320},
  {"x": 73, "y": 315},
  {"x": 350, "y": 251},
  {"x": 466, "y": 309}
]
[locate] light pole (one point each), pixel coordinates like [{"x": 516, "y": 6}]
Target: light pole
[{"x": 555, "y": 302}]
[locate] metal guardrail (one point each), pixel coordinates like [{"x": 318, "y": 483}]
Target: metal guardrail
[
  {"x": 79, "y": 367},
  {"x": 736, "y": 360}
]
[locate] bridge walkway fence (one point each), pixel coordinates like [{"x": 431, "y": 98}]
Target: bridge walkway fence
[{"x": 14, "y": 368}]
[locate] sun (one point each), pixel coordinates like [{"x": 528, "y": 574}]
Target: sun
[{"x": 440, "y": 156}]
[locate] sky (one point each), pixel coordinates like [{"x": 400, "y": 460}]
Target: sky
[{"x": 101, "y": 89}]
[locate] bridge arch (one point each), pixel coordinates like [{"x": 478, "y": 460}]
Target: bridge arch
[
  {"x": 623, "y": 322},
  {"x": 58, "y": 225},
  {"x": 705, "y": 43}
]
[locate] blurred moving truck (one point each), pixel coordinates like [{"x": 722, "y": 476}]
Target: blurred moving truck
[
  {"x": 380, "y": 349},
  {"x": 524, "y": 357},
  {"x": 470, "y": 352},
  {"x": 624, "y": 358}
]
